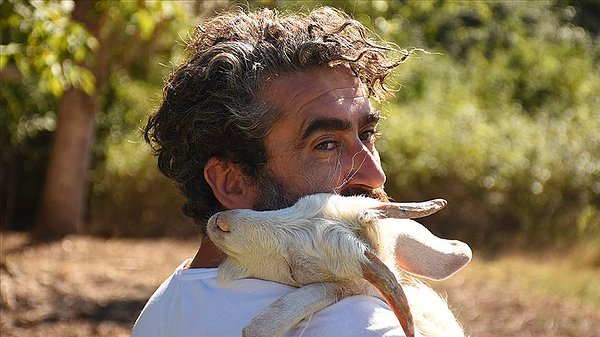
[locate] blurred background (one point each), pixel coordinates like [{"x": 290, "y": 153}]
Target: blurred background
[{"x": 499, "y": 115}]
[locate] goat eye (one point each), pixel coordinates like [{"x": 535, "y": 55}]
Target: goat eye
[{"x": 368, "y": 216}]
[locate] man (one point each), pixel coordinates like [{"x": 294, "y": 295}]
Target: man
[{"x": 267, "y": 109}]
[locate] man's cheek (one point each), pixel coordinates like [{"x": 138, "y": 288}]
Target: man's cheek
[{"x": 327, "y": 176}]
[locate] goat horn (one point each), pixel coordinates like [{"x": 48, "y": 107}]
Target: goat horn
[
  {"x": 410, "y": 210},
  {"x": 379, "y": 275}
]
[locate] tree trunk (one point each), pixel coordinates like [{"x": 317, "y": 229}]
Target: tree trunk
[
  {"x": 65, "y": 189},
  {"x": 62, "y": 207}
]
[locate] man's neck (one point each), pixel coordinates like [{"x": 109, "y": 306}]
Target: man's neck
[{"x": 207, "y": 256}]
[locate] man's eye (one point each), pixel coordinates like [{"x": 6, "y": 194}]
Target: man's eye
[
  {"x": 326, "y": 146},
  {"x": 367, "y": 136}
]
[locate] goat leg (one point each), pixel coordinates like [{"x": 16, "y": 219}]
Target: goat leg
[
  {"x": 290, "y": 309},
  {"x": 380, "y": 276}
]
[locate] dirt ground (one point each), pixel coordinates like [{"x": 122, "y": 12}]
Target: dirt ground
[{"x": 85, "y": 286}]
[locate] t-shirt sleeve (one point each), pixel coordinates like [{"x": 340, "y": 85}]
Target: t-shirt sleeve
[
  {"x": 153, "y": 321},
  {"x": 190, "y": 305}
]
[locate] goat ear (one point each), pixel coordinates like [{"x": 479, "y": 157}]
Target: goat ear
[
  {"x": 410, "y": 210},
  {"x": 230, "y": 271},
  {"x": 421, "y": 253}
]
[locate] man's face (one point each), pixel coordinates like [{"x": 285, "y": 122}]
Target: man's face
[{"x": 325, "y": 141}]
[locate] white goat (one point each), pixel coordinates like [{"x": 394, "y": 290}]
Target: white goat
[{"x": 332, "y": 246}]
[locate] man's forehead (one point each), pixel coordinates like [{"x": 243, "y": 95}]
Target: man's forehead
[
  {"x": 323, "y": 99},
  {"x": 292, "y": 92}
]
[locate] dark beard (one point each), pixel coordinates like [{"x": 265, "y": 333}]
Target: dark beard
[
  {"x": 377, "y": 193},
  {"x": 273, "y": 194}
]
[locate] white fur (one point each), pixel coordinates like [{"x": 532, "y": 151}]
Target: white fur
[{"x": 322, "y": 240}]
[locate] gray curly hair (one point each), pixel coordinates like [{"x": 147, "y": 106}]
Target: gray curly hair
[{"x": 212, "y": 104}]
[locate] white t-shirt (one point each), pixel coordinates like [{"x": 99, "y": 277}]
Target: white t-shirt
[{"x": 191, "y": 303}]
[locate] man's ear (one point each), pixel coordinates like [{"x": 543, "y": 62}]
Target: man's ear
[{"x": 229, "y": 184}]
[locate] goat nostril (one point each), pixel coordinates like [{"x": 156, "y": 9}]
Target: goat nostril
[{"x": 223, "y": 225}]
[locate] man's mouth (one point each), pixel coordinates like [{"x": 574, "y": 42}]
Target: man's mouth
[{"x": 377, "y": 193}]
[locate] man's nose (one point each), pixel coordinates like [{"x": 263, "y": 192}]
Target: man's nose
[{"x": 364, "y": 169}]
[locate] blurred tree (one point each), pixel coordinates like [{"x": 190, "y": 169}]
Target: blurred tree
[
  {"x": 71, "y": 50},
  {"x": 583, "y": 13},
  {"x": 501, "y": 118},
  {"x": 65, "y": 189}
]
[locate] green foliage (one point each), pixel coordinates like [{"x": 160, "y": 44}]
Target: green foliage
[
  {"x": 43, "y": 52},
  {"x": 39, "y": 46},
  {"x": 129, "y": 196},
  {"x": 131, "y": 199},
  {"x": 507, "y": 131},
  {"x": 499, "y": 116},
  {"x": 53, "y": 46},
  {"x": 502, "y": 173}
]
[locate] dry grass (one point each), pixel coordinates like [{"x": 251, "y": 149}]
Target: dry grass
[
  {"x": 517, "y": 295},
  {"x": 84, "y": 286}
]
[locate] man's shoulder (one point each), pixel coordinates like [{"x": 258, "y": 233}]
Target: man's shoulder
[
  {"x": 359, "y": 315},
  {"x": 191, "y": 300}
]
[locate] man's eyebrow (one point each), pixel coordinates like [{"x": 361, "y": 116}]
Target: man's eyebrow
[
  {"x": 336, "y": 124},
  {"x": 325, "y": 124},
  {"x": 372, "y": 118}
]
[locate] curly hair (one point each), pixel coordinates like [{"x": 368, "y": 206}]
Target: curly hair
[{"x": 212, "y": 104}]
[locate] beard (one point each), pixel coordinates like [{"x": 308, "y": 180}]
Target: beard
[{"x": 272, "y": 193}]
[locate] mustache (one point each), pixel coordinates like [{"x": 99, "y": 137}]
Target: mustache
[{"x": 377, "y": 193}]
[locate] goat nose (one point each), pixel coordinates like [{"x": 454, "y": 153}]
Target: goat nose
[
  {"x": 222, "y": 223},
  {"x": 223, "y": 226}
]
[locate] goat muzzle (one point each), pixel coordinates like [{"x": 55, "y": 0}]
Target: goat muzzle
[
  {"x": 380, "y": 276},
  {"x": 219, "y": 222}
]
